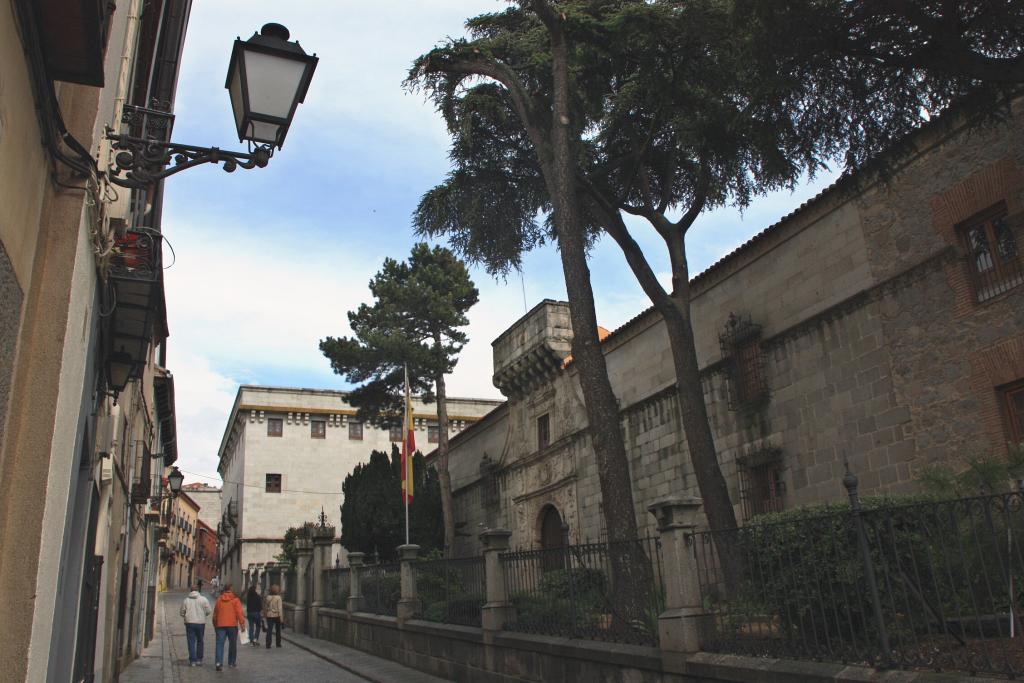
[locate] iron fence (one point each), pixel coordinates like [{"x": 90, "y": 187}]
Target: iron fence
[
  {"x": 452, "y": 591},
  {"x": 381, "y": 588},
  {"x": 337, "y": 584},
  {"x": 596, "y": 591},
  {"x": 934, "y": 585}
]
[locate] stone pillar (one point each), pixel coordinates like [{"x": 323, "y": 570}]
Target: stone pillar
[
  {"x": 680, "y": 625},
  {"x": 355, "y": 588},
  {"x": 304, "y": 549},
  {"x": 409, "y": 605},
  {"x": 323, "y": 540},
  {"x": 498, "y": 608}
]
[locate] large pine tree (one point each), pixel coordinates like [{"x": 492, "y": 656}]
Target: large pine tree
[{"x": 415, "y": 321}]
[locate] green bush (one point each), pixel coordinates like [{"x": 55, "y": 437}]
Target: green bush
[{"x": 804, "y": 577}]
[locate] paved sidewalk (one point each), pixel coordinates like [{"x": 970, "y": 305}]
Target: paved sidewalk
[{"x": 300, "y": 658}]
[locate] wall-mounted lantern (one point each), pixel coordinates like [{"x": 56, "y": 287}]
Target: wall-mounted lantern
[{"x": 268, "y": 77}]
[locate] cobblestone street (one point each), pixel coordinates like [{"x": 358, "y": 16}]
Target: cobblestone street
[{"x": 299, "y": 658}]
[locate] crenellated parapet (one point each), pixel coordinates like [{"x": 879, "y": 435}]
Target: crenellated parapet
[{"x": 533, "y": 350}]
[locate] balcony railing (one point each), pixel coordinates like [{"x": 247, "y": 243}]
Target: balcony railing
[{"x": 136, "y": 256}]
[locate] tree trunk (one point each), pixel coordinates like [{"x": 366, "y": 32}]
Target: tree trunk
[
  {"x": 675, "y": 310},
  {"x": 699, "y": 441},
  {"x": 443, "y": 476},
  {"x": 630, "y": 568}
]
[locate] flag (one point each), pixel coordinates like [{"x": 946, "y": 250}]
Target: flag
[{"x": 408, "y": 443}]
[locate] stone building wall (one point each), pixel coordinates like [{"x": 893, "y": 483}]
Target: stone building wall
[
  {"x": 312, "y": 469},
  {"x": 875, "y": 351}
]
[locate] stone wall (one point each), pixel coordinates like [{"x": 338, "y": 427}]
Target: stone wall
[
  {"x": 876, "y": 352},
  {"x": 10, "y": 322},
  {"x": 460, "y": 653},
  {"x": 469, "y": 655}
]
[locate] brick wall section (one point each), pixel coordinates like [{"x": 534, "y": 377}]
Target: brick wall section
[{"x": 997, "y": 365}]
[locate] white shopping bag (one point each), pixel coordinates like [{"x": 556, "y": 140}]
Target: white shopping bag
[{"x": 243, "y": 636}]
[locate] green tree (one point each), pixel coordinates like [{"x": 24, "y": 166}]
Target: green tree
[
  {"x": 942, "y": 42},
  {"x": 671, "y": 108},
  {"x": 288, "y": 553},
  {"x": 372, "y": 513},
  {"x": 525, "y": 55},
  {"x": 415, "y": 320}
]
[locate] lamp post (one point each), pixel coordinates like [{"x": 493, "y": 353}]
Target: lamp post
[{"x": 268, "y": 77}]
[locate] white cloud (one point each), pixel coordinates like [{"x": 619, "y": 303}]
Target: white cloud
[{"x": 203, "y": 399}]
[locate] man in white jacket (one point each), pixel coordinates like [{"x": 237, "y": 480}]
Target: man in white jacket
[{"x": 196, "y": 610}]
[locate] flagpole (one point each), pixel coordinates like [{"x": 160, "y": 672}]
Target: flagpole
[{"x": 408, "y": 456}]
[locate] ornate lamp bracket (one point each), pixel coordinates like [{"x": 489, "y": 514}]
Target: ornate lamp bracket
[{"x": 140, "y": 162}]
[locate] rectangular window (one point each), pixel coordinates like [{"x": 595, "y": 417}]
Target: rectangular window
[
  {"x": 750, "y": 382},
  {"x": 395, "y": 432},
  {"x": 273, "y": 483},
  {"x": 318, "y": 429},
  {"x": 1013, "y": 404},
  {"x": 761, "y": 489},
  {"x": 355, "y": 431},
  {"x": 275, "y": 426},
  {"x": 433, "y": 434},
  {"x": 543, "y": 431},
  {"x": 993, "y": 255}
]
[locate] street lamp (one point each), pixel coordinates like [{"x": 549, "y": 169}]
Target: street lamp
[
  {"x": 268, "y": 77},
  {"x": 174, "y": 480},
  {"x": 119, "y": 370}
]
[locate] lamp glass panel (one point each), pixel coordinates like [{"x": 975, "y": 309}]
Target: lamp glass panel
[
  {"x": 119, "y": 374},
  {"x": 261, "y": 131},
  {"x": 273, "y": 82},
  {"x": 235, "y": 92}
]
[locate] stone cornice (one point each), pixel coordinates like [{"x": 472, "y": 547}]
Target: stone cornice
[{"x": 568, "y": 479}]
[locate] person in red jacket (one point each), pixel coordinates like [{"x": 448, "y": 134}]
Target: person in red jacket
[{"x": 227, "y": 618}]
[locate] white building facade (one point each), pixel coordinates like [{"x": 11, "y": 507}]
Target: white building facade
[{"x": 284, "y": 455}]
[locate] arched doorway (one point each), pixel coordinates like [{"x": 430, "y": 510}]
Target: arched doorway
[{"x": 550, "y": 528}]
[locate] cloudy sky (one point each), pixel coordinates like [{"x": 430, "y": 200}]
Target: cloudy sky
[{"x": 267, "y": 262}]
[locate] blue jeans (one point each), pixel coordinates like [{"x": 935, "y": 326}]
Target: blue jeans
[
  {"x": 255, "y": 625},
  {"x": 194, "y": 634},
  {"x": 230, "y": 633}
]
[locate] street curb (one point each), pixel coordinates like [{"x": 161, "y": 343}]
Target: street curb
[
  {"x": 357, "y": 672},
  {"x": 167, "y": 664}
]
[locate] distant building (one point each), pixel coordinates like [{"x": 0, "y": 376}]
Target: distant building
[
  {"x": 208, "y": 499},
  {"x": 284, "y": 456},
  {"x": 881, "y": 324},
  {"x": 180, "y": 552},
  {"x": 205, "y": 567}
]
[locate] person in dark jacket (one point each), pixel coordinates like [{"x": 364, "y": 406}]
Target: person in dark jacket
[{"x": 254, "y": 607}]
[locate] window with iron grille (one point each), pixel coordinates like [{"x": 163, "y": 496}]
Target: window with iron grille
[
  {"x": 355, "y": 430},
  {"x": 744, "y": 360},
  {"x": 395, "y": 433},
  {"x": 318, "y": 429},
  {"x": 1013, "y": 406},
  {"x": 433, "y": 434},
  {"x": 761, "y": 486},
  {"x": 273, "y": 483},
  {"x": 543, "y": 431},
  {"x": 275, "y": 426},
  {"x": 993, "y": 253}
]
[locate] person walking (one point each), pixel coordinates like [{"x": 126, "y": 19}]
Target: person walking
[
  {"x": 196, "y": 610},
  {"x": 227, "y": 618},
  {"x": 272, "y": 610},
  {"x": 254, "y": 612}
]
